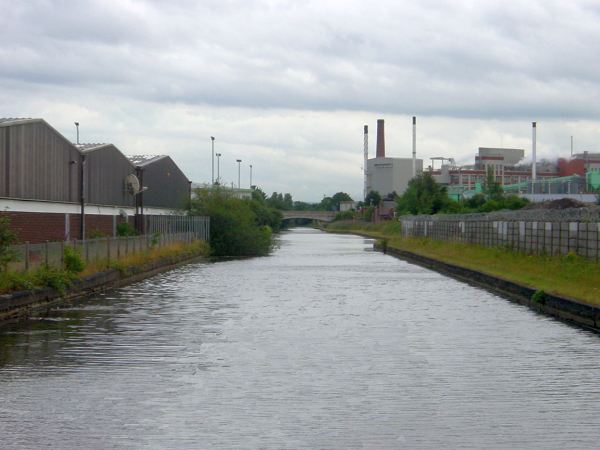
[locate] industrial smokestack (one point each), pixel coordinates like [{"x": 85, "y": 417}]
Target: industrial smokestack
[
  {"x": 533, "y": 159},
  {"x": 380, "y": 139},
  {"x": 366, "y": 160},
  {"x": 414, "y": 161}
]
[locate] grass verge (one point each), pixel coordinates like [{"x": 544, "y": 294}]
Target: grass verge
[
  {"x": 62, "y": 278},
  {"x": 570, "y": 276}
]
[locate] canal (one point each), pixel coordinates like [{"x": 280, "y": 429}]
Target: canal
[{"x": 324, "y": 344}]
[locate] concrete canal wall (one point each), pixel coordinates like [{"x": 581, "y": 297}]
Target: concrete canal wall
[
  {"x": 566, "y": 309},
  {"x": 552, "y": 232},
  {"x": 22, "y": 304}
]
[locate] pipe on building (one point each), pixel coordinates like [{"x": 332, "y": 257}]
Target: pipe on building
[{"x": 380, "y": 139}]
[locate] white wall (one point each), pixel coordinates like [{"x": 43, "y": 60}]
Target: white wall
[{"x": 386, "y": 175}]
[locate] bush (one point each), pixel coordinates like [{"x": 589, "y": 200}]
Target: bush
[
  {"x": 7, "y": 238},
  {"x": 52, "y": 277},
  {"x": 125, "y": 229},
  {"x": 73, "y": 261},
  {"x": 539, "y": 297},
  {"x": 95, "y": 234},
  {"x": 344, "y": 215},
  {"x": 237, "y": 227}
]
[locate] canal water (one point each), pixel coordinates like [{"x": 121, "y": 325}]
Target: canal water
[{"x": 324, "y": 344}]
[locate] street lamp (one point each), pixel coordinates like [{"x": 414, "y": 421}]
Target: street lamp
[
  {"x": 218, "y": 169},
  {"x": 212, "y": 173},
  {"x": 77, "y": 127},
  {"x": 238, "y": 161},
  {"x": 250, "y": 176}
]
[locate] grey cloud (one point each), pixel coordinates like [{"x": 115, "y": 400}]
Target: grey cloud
[{"x": 438, "y": 58}]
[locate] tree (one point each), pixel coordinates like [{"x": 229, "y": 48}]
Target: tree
[
  {"x": 238, "y": 227},
  {"x": 327, "y": 204},
  {"x": 423, "y": 196},
  {"x": 7, "y": 238},
  {"x": 373, "y": 198},
  {"x": 340, "y": 197},
  {"x": 491, "y": 188}
]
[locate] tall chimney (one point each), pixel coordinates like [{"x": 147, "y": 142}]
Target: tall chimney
[
  {"x": 414, "y": 161},
  {"x": 366, "y": 160},
  {"x": 533, "y": 159},
  {"x": 380, "y": 139}
]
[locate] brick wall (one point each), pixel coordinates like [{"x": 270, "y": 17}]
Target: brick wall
[{"x": 40, "y": 227}]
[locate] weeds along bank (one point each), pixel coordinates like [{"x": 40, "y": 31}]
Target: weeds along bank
[
  {"x": 22, "y": 292},
  {"x": 572, "y": 276}
]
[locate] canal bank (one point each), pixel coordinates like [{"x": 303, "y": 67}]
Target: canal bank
[
  {"x": 473, "y": 265},
  {"x": 21, "y": 304}
]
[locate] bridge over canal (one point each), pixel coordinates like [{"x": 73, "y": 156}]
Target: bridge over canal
[{"x": 323, "y": 216}]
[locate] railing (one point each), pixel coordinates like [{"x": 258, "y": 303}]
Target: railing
[{"x": 32, "y": 256}]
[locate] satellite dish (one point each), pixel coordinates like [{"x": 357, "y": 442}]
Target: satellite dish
[{"x": 132, "y": 183}]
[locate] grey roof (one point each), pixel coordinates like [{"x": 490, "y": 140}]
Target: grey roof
[
  {"x": 144, "y": 160},
  {"x": 90, "y": 147},
  {"x": 7, "y": 121}
]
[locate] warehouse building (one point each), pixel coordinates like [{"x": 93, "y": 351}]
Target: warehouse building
[{"x": 48, "y": 184}]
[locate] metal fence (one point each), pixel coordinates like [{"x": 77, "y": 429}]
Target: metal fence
[
  {"x": 32, "y": 256},
  {"x": 538, "y": 237},
  {"x": 199, "y": 225}
]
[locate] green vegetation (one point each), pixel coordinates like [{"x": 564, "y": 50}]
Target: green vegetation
[
  {"x": 238, "y": 227},
  {"x": 125, "y": 229},
  {"x": 539, "y": 297},
  {"x": 570, "y": 275},
  {"x": 7, "y": 238},
  {"x": 425, "y": 196},
  {"x": 61, "y": 278},
  {"x": 373, "y": 198},
  {"x": 73, "y": 261}
]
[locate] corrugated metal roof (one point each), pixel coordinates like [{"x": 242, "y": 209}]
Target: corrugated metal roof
[
  {"x": 7, "y": 121},
  {"x": 144, "y": 160},
  {"x": 90, "y": 147}
]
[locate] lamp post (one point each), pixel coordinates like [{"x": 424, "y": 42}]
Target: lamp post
[
  {"x": 212, "y": 173},
  {"x": 77, "y": 127},
  {"x": 250, "y": 176},
  {"x": 238, "y": 161},
  {"x": 218, "y": 168}
]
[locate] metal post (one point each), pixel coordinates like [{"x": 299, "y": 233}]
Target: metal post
[
  {"x": 218, "y": 168},
  {"x": 250, "y": 176},
  {"x": 414, "y": 147},
  {"x": 46, "y": 253},
  {"x": 239, "y": 162},
  {"x": 27, "y": 255},
  {"x": 533, "y": 157},
  {"x": 212, "y": 140}
]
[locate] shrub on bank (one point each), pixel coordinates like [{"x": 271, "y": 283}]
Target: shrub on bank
[{"x": 238, "y": 227}]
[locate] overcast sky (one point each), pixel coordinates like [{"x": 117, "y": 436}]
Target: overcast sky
[{"x": 288, "y": 85}]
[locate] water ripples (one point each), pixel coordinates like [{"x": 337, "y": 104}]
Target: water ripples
[{"x": 325, "y": 344}]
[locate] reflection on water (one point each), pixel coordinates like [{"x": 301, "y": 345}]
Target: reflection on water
[{"x": 325, "y": 344}]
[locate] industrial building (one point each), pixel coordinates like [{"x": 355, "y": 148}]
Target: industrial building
[
  {"x": 387, "y": 175},
  {"x": 578, "y": 176},
  {"x": 48, "y": 184}
]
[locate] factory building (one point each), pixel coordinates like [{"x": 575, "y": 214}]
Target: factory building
[
  {"x": 504, "y": 163},
  {"x": 156, "y": 172},
  {"x": 48, "y": 184},
  {"x": 385, "y": 174}
]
